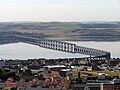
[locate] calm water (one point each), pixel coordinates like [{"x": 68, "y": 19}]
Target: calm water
[{"x": 25, "y": 51}]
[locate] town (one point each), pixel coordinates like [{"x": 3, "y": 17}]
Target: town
[
  {"x": 60, "y": 74},
  {"x": 59, "y": 44},
  {"x": 97, "y": 71}
]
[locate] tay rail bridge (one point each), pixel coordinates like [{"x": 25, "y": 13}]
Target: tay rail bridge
[{"x": 65, "y": 47}]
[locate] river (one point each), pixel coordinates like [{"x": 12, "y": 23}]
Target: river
[{"x": 27, "y": 51}]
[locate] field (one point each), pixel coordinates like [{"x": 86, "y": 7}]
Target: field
[
  {"x": 95, "y": 73},
  {"x": 109, "y": 31}
]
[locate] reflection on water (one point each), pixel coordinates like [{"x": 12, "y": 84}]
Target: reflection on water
[{"x": 25, "y": 51}]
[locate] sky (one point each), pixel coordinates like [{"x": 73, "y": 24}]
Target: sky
[{"x": 59, "y": 10}]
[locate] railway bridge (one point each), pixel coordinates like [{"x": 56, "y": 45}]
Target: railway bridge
[{"x": 65, "y": 47}]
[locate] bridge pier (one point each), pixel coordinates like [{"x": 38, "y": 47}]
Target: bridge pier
[{"x": 67, "y": 47}]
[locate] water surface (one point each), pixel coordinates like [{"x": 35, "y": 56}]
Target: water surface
[{"x": 26, "y": 51}]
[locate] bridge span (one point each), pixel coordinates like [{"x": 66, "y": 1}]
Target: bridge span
[{"x": 65, "y": 47}]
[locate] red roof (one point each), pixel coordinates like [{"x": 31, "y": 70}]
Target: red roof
[{"x": 12, "y": 83}]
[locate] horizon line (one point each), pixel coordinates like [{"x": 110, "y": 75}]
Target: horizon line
[{"x": 64, "y": 21}]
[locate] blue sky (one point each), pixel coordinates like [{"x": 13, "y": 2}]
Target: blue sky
[{"x": 59, "y": 10}]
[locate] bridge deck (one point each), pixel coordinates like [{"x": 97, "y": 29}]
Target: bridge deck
[{"x": 64, "y": 46}]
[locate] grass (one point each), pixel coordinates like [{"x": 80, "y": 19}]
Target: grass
[
  {"x": 83, "y": 73},
  {"x": 109, "y": 73},
  {"x": 94, "y": 73},
  {"x": 117, "y": 30}
]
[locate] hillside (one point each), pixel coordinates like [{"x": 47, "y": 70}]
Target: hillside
[{"x": 92, "y": 31}]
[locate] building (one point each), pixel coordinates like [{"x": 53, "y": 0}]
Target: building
[
  {"x": 114, "y": 85},
  {"x": 12, "y": 62},
  {"x": 110, "y": 86},
  {"x": 2, "y": 63},
  {"x": 90, "y": 86}
]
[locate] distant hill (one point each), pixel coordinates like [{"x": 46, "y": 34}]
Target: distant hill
[{"x": 95, "y": 31}]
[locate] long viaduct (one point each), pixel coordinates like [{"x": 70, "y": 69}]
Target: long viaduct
[{"x": 65, "y": 47}]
